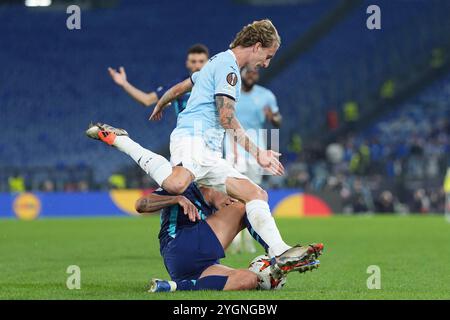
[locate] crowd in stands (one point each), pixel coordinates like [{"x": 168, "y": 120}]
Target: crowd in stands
[{"x": 396, "y": 164}]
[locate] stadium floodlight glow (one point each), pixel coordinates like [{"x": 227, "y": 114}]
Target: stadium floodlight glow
[{"x": 38, "y": 3}]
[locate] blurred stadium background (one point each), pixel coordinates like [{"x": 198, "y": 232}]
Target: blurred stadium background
[{"x": 366, "y": 112}]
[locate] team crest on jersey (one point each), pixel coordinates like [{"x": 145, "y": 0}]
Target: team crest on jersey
[{"x": 232, "y": 78}]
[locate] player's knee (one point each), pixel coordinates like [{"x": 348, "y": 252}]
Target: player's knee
[
  {"x": 254, "y": 192},
  {"x": 261, "y": 194},
  {"x": 175, "y": 186}
]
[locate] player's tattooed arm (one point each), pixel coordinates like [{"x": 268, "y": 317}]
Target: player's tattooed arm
[
  {"x": 170, "y": 95},
  {"x": 267, "y": 159},
  {"x": 227, "y": 114},
  {"x": 152, "y": 203}
]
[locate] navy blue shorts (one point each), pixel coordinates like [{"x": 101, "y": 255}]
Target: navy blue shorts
[{"x": 192, "y": 251}]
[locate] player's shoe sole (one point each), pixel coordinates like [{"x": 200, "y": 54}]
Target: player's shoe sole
[
  {"x": 104, "y": 132},
  {"x": 296, "y": 259},
  {"x": 309, "y": 266}
]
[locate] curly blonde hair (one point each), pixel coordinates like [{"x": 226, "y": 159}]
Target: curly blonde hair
[{"x": 262, "y": 31}]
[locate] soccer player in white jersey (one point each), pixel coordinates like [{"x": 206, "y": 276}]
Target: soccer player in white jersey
[
  {"x": 196, "y": 142},
  {"x": 256, "y": 106}
]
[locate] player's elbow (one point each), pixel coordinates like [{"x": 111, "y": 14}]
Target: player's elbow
[
  {"x": 141, "y": 206},
  {"x": 146, "y": 103},
  {"x": 149, "y": 99}
]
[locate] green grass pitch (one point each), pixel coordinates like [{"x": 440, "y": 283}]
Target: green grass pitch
[{"x": 118, "y": 256}]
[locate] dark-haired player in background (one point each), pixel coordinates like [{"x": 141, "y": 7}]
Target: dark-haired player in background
[{"x": 197, "y": 56}]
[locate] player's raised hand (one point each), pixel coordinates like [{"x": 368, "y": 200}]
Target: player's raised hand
[
  {"x": 119, "y": 77},
  {"x": 188, "y": 208},
  {"x": 269, "y": 160}
]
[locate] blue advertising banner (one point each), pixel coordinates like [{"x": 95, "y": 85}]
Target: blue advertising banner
[{"x": 29, "y": 206}]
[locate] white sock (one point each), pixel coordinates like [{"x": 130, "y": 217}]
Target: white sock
[
  {"x": 155, "y": 165},
  {"x": 261, "y": 220}
]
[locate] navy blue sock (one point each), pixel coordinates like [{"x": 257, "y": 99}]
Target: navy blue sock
[{"x": 205, "y": 283}]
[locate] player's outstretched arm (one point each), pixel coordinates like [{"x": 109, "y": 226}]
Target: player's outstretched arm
[
  {"x": 152, "y": 203},
  {"x": 120, "y": 78},
  {"x": 170, "y": 95},
  {"x": 267, "y": 159}
]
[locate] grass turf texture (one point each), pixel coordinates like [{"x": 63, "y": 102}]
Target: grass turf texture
[{"x": 118, "y": 256}]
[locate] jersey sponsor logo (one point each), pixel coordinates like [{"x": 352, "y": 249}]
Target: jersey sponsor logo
[{"x": 232, "y": 78}]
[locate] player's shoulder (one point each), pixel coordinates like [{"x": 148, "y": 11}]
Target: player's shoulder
[
  {"x": 223, "y": 60},
  {"x": 224, "y": 55}
]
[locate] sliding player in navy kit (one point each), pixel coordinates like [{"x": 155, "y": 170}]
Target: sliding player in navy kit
[{"x": 196, "y": 228}]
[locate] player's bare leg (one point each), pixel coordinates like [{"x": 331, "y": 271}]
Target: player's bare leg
[
  {"x": 227, "y": 223},
  {"x": 215, "y": 277},
  {"x": 178, "y": 181},
  {"x": 238, "y": 279},
  {"x": 260, "y": 218},
  {"x": 174, "y": 180}
]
